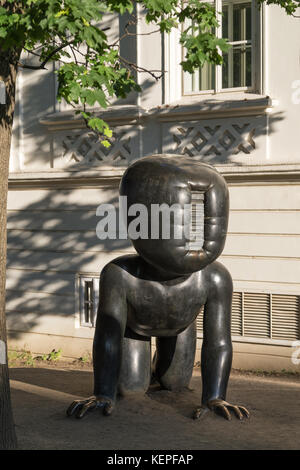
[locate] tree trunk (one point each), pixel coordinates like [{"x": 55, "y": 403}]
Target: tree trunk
[{"x": 8, "y": 72}]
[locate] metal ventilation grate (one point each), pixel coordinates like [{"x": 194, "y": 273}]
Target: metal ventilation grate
[
  {"x": 285, "y": 317},
  {"x": 236, "y": 317},
  {"x": 256, "y": 315},
  {"x": 196, "y": 221},
  {"x": 263, "y": 315}
]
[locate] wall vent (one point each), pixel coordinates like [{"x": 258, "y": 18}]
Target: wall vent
[{"x": 263, "y": 315}]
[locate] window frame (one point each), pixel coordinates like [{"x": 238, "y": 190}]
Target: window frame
[
  {"x": 173, "y": 52},
  {"x": 80, "y": 295}
]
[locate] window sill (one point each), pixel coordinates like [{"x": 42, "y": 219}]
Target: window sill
[
  {"x": 114, "y": 115},
  {"x": 213, "y": 106},
  {"x": 189, "y": 108}
]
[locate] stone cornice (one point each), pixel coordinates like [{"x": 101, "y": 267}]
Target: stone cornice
[
  {"x": 115, "y": 116},
  {"x": 261, "y": 174},
  {"x": 109, "y": 176},
  {"x": 211, "y": 108},
  {"x": 184, "y": 110}
]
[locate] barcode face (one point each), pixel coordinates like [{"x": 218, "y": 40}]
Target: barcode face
[{"x": 196, "y": 221}]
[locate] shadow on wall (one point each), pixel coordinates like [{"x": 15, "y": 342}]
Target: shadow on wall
[
  {"x": 52, "y": 232},
  {"x": 41, "y": 149},
  {"x": 51, "y": 237},
  {"x": 224, "y": 140}
]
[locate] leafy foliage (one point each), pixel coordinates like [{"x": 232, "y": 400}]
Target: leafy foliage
[
  {"x": 91, "y": 70},
  {"x": 290, "y": 6}
]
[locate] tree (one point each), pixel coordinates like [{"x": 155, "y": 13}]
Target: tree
[{"x": 91, "y": 71}]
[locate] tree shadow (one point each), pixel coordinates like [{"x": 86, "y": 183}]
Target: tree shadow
[
  {"x": 74, "y": 382},
  {"x": 50, "y": 241},
  {"x": 80, "y": 383},
  {"x": 52, "y": 226}
]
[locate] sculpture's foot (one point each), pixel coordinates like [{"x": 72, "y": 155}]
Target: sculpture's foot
[
  {"x": 223, "y": 408},
  {"x": 80, "y": 407}
]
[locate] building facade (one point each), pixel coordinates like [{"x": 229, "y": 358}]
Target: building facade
[{"x": 242, "y": 117}]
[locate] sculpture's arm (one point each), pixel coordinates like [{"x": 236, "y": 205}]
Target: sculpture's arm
[
  {"x": 109, "y": 333},
  {"x": 107, "y": 347},
  {"x": 216, "y": 356}
]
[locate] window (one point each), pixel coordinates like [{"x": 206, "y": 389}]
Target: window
[
  {"x": 236, "y": 25},
  {"x": 88, "y": 299},
  {"x": 237, "y": 28}
]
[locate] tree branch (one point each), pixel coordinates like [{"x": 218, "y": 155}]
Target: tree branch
[
  {"x": 42, "y": 65},
  {"x": 138, "y": 68}
]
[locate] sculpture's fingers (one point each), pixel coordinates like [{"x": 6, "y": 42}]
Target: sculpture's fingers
[
  {"x": 200, "y": 412},
  {"x": 237, "y": 412},
  {"x": 74, "y": 406},
  {"x": 244, "y": 411},
  {"x": 90, "y": 405},
  {"x": 223, "y": 411}
]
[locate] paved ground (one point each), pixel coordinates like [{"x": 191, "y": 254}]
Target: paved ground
[{"x": 159, "y": 421}]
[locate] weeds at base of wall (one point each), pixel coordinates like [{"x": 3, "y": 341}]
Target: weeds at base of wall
[
  {"x": 27, "y": 358},
  {"x": 53, "y": 358},
  {"x": 269, "y": 373},
  {"x": 262, "y": 372}
]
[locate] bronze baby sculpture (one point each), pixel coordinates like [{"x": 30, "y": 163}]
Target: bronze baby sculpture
[{"x": 160, "y": 291}]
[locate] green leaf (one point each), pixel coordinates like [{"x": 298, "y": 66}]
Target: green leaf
[{"x": 108, "y": 132}]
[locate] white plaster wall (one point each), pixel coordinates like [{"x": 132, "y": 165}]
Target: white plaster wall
[
  {"x": 282, "y": 70},
  {"x": 51, "y": 232}
]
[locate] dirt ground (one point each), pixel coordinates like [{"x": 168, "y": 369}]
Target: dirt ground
[{"x": 160, "y": 420}]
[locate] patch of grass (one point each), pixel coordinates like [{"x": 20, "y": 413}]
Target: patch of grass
[
  {"x": 21, "y": 356},
  {"x": 264, "y": 373},
  {"x": 28, "y": 359},
  {"x": 86, "y": 359},
  {"x": 269, "y": 373}
]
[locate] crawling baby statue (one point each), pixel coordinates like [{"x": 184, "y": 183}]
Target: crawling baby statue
[{"x": 159, "y": 292}]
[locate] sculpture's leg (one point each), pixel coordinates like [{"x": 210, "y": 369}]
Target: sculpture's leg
[
  {"x": 107, "y": 346},
  {"x": 174, "y": 359},
  {"x": 109, "y": 333},
  {"x": 136, "y": 364},
  {"x": 216, "y": 356}
]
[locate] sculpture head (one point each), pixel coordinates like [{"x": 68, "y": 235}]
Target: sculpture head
[{"x": 173, "y": 179}]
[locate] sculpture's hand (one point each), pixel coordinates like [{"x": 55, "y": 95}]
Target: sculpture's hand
[
  {"x": 80, "y": 407},
  {"x": 222, "y": 407}
]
